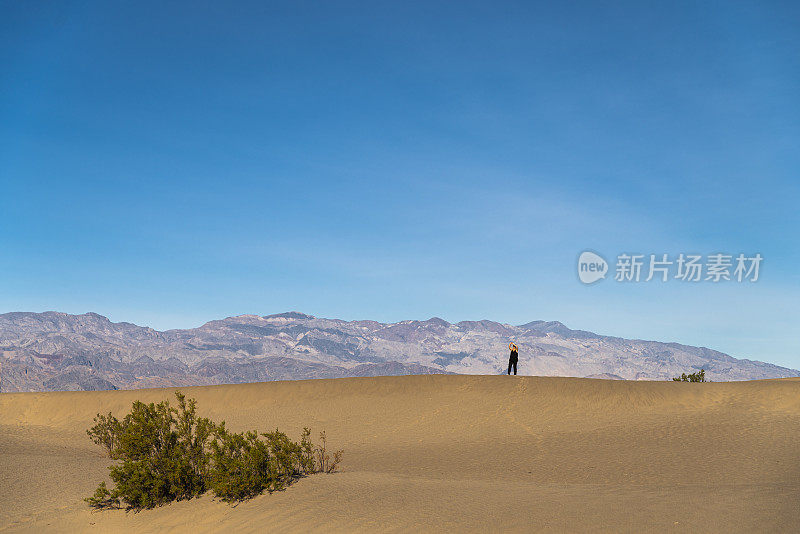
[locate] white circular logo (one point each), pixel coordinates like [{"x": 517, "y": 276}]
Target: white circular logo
[{"x": 591, "y": 267}]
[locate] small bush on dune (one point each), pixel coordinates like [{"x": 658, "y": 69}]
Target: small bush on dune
[
  {"x": 166, "y": 454},
  {"x": 324, "y": 462},
  {"x": 103, "y": 498},
  {"x": 699, "y": 376}
]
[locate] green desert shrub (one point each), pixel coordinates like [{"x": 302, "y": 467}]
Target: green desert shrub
[
  {"x": 242, "y": 467},
  {"x": 165, "y": 454},
  {"x": 161, "y": 453},
  {"x": 103, "y": 498},
  {"x": 245, "y": 465},
  {"x": 699, "y": 376}
]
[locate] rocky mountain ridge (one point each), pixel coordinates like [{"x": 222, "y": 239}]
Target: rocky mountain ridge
[{"x": 58, "y": 351}]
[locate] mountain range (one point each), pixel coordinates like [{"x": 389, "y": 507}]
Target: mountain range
[{"x": 54, "y": 351}]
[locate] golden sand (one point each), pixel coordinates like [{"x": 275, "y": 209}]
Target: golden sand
[{"x": 463, "y": 453}]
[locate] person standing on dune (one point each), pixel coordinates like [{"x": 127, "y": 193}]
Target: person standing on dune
[{"x": 513, "y": 358}]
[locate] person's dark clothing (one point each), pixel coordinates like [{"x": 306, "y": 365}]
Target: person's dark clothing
[{"x": 512, "y": 361}]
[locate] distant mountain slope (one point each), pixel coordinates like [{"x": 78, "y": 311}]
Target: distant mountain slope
[{"x": 57, "y": 351}]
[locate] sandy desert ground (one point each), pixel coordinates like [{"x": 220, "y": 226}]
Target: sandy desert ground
[{"x": 462, "y": 453}]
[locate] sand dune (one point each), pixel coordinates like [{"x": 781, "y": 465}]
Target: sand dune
[{"x": 471, "y": 453}]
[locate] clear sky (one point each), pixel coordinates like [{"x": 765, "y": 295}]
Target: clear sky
[{"x": 169, "y": 163}]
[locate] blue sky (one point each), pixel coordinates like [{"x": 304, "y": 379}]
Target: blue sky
[{"x": 170, "y": 163}]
